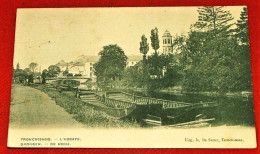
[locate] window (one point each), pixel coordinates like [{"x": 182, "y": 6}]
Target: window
[
  {"x": 90, "y": 74},
  {"x": 169, "y": 41},
  {"x": 90, "y": 64},
  {"x": 91, "y": 68},
  {"x": 132, "y": 63}
]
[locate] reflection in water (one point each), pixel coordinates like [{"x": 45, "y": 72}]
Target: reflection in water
[{"x": 230, "y": 111}]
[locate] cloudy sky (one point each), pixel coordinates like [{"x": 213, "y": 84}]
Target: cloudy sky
[{"x": 46, "y": 36}]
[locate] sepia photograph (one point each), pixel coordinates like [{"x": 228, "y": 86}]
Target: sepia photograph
[{"x": 140, "y": 77}]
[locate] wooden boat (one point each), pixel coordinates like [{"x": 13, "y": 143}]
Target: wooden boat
[
  {"x": 143, "y": 109},
  {"x": 165, "y": 112},
  {"x": 193, "y": 124},
  {"x": 115, "y": 108}
]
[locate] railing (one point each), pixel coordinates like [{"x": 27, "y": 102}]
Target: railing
[
  {"x": 148, "y": 100},
  {"x": 166, "y": 104},
  {"x": 113, "y": 102}
]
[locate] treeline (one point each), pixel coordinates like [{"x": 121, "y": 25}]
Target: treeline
[
  {"x": 29, "y": 75},
  {"x": 214, "y": 56}
]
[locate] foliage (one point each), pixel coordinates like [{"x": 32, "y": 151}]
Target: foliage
[
  {"x": 243, "y": 51},
  {"x": 215, "y": 19},
  {"x": 65, "y": 73},
  {"x": 155, "y": 39},
  {"x": 78, "y": 75},
  {"x": 211, "y": 57},
  {"x": 179, "y": 43},
  {"x": 53, "y": 71},
  {"x": 144, "y": 46},
  {"x": 111, "y": 65},
  {"x": 242, "y": 28},
  {"x": 20, "y": 75},
  {"x": 69, "y": 75},
  {"x": 32, "y": 66},
  {"x": 30, "y": 78},
  {"x": 136, "y": 76},
  {"x": 17, "y": 66},
  {"x": 43, "y": 76},
  {"x": 160, "y": 71},
  {"x": 163, "y": 71}
]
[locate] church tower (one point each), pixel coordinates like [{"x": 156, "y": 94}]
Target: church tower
[{"x": 167, "y": 42}]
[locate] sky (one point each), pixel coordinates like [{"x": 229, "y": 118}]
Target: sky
[{"x": 46, "y": 36}]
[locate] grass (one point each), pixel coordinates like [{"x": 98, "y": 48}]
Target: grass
[{"x": 83, "y": 113}]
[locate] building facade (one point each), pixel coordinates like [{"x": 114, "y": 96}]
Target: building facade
[
  {"x": 167, "y": 42},
  {"x": 84, "y": 65}
]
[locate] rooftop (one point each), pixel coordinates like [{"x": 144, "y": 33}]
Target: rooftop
[
  {"x": 167, "y": 34},
  {"x": 81, "y": 60}
]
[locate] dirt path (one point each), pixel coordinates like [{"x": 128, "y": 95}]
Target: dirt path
[{"x": 33, "y": 108}]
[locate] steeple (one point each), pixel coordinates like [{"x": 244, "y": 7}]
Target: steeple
[{"x": 167, "y": 42}]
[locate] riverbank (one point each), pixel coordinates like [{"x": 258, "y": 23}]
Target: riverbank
[{"x": 82, "y": 113}]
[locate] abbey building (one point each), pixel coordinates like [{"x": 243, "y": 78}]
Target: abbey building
[{"x": 167, "y": 43}]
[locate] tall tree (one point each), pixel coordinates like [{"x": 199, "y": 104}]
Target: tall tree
[
  {"x": 32, "y": 66},
  {"x": 111, "y": 64},
  {"x": 209, "y": 54},
  {"x": 242, "y": 28},
  {"x": 144, "y": 47},
  {"x": 155, "y": 39},
  {"x": 243, "y": 52},
  {"x": 44, "y": 75},
  {"x": 215, "y": 19},
  {"x": 17, "y": 66}
]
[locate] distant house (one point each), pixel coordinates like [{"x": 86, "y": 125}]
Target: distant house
[
  {"x": 63, "y": 65},
  {"x": 91, "y": 60},
  {"x": 84, "y": 65},
  {"x": 132, "y": 60}
]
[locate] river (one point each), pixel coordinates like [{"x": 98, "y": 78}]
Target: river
[{"x": 231, "y": 111}]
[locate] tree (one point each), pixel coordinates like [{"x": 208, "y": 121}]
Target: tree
[
  {"x": 136, "y": 76},
  {"x": 155, "y": 39},
  {"x": 209, "y": 55},
  {"x": 144, "y": 47},
  {"x": 243, "y": 51},
  {"x": 65, "y": 73},
  {"x": 20, "y": 75},
  {"x": 17, "y": 66},
  {"x": 44, "y": 75},
  {"x": 242, "y": 28},
  {"x": 30, "y": 78},
  {"x": 179, "y": 43},
  {"x": 53, "y": 71},
  {"x": 32, "y": 66},
  {"x": 163, "y": 71},
  {"x": 214, "y": 19},
  {"x": 111, "y": 64}
]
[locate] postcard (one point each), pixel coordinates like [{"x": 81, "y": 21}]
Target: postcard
[{"x": 139, "y": 77}]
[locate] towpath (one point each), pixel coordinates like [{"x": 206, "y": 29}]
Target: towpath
[{"x": 31, "y": 108}]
